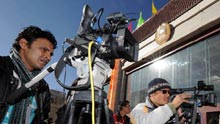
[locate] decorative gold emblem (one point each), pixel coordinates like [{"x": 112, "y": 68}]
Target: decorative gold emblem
[{"x": 163, "y": 33}]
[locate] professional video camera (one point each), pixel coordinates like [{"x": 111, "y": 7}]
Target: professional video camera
[
  {"x": 197, "y": 100},
  {"x": 112, "y": 41}
]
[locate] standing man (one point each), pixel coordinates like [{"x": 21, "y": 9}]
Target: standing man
[
  {"x": 157, "y": 109},
  {"x": 31, "y": 51},
  {"x": 121, "y": 116}
]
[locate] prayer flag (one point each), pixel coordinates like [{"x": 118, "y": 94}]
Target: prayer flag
[
  {"x": 154, "y": 9},
  {"x": 140, "y": 20}
]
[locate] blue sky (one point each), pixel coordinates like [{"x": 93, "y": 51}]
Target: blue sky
[{"x": 62, "y": 18}]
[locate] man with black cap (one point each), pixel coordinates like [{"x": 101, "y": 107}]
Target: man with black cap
[{"x": 158, "y": 109}]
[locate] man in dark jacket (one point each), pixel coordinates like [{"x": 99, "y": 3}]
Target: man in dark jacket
[{"x": 32, "y": 50}]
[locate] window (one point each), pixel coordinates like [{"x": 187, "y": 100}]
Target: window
[{"x": 182, "y": 69}]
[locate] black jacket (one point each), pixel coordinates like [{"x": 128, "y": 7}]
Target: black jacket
[{"x": 8, "y": 85}]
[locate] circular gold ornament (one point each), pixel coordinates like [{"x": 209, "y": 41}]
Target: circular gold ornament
[{"x": 163, "y": 33}]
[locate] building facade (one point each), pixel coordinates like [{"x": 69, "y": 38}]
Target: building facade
[{"x": 191, "y": 53}]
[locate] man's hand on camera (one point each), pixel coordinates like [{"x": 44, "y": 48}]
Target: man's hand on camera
[
  {"x": 181, "y": 98},
  {"x": 180, "y": 113}
]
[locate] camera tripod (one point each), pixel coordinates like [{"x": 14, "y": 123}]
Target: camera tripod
[{"x": 78, "y": 110}]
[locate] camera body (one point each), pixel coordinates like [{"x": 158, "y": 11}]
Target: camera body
[{"x": 113, "y": 40}]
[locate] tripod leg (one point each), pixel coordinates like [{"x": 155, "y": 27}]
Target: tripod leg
[
  {"x": 99, "y": 113},
  {"x": 107, "y": 115},
  {"x": 85, "y": 115},
  {"x": 194, "y": 114},
  {"x": 67, "y": 111},
  {"x": 71, "y": 111},
  {"x": 81, "y": 118}
]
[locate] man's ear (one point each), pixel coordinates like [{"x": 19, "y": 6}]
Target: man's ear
[
  {"x": 152, "y": 94},
  {"x": 23, "y": 43}
]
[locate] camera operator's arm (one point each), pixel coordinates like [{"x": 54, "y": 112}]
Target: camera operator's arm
[
  {"x": 177, "y": 101},
  {"x": 180, "y": 98}
]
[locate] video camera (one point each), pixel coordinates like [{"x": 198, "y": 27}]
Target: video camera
[
  {"x": 197, "y": 100},
  {"x": 110, "y": 42}
]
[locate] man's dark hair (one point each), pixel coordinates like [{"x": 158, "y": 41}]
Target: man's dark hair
[
  {"x": 123, "y": 103},
  {"x": 31, "y": 33}
]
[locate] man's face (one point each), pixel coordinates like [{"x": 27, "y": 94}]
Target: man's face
[
  {"x": 37, "y": 55},
  {"x": 160, "y": 97},
  {"x": 126, "y": 109}
]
